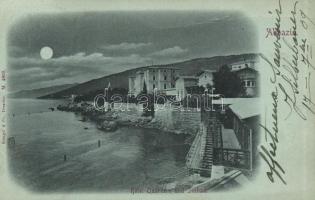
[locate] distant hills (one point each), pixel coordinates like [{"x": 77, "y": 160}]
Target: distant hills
[
  {"x": 35, "y": 93},
  {"x": 120, "y": 80}
]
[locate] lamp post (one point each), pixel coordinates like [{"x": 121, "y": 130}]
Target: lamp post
[
  {"x": 106, "y": 102},
  {"x": 222, "y": 102},
  {"x": 206, "y": 97},
  {"x": 154, "y": 94},
  {"x": 212, "y": 90}
]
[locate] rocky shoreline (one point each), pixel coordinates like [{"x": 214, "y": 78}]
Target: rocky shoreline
[{"x": 111, "y": 120}]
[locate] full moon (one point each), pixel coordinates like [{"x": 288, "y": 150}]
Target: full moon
[{"x": 46, "y": 53}]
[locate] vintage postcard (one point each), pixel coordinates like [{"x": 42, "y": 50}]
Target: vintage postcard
[{"x": 157, "y": 99}]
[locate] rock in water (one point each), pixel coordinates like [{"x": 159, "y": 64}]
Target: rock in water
[{"x": 109, "y": 125}]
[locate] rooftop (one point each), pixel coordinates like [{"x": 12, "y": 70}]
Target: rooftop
[
  {"x": 243, "y": 61},
  {"x": 160, "y": 67},
  {"x": 230, "y": 101},
  {"x": 241, "y": 69},
  {"x": 207, "y": 70},
  {"x": 187, "y": 77},
  {"x": 140, "y": 72},
  {"x": 246, "y": 108}
]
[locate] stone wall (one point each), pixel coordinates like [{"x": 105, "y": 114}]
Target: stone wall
[{"x": 168, "y": 119}]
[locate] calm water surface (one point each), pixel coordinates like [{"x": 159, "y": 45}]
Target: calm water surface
[{"x": 129, "y": 157}]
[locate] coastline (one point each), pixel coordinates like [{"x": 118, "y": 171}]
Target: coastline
[{"x": 111, "y": 120}]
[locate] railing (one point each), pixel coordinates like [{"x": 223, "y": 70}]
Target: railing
[
  {"x": 242, "y": 133},
  {"x": 235, "y": 158},
  {"x": 209, "y": 136},
  {"x": 192, "y": 151}
]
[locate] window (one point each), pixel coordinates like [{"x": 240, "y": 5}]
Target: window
[
  {"x": 164, "y": 86},
  {"x": 248, "y": 83},
  {"x": 154, "y": 78},
  {"x": 205, "y": 76},
  {"x": 153, "y": 86},
  {"x": 164, "y": 70},
  {"x": 165, "y": 78}
]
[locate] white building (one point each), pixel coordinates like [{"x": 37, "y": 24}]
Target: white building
[
  {"x": 156, "y": 78},
  {"x": 132, "y": 85},
  {"x": 182, "y": 83},
  {"x": 243, "y": 64},
  {"x": 249, "y": 78},
  {"x": 205, "y": 78}
]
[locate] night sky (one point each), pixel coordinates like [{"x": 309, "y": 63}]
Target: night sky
[{"x": 91, "y": 45}]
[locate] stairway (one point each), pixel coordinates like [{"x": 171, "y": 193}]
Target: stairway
[
  {"x": 195, "y": 149},
  {"x": 207, "y": 160},
  {"x": 200, "y": 155}
]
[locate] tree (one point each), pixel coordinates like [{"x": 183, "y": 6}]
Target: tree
[
  {"x": 195, "y": 89},
  {"x": 227, "y": 83},
  {"x": 144, "y": 90},
  {"x": 208, "y": 86},
  {"x": 148, "y": 109}
]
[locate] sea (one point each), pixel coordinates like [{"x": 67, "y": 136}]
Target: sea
[{"x": 57, "y": 151}]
